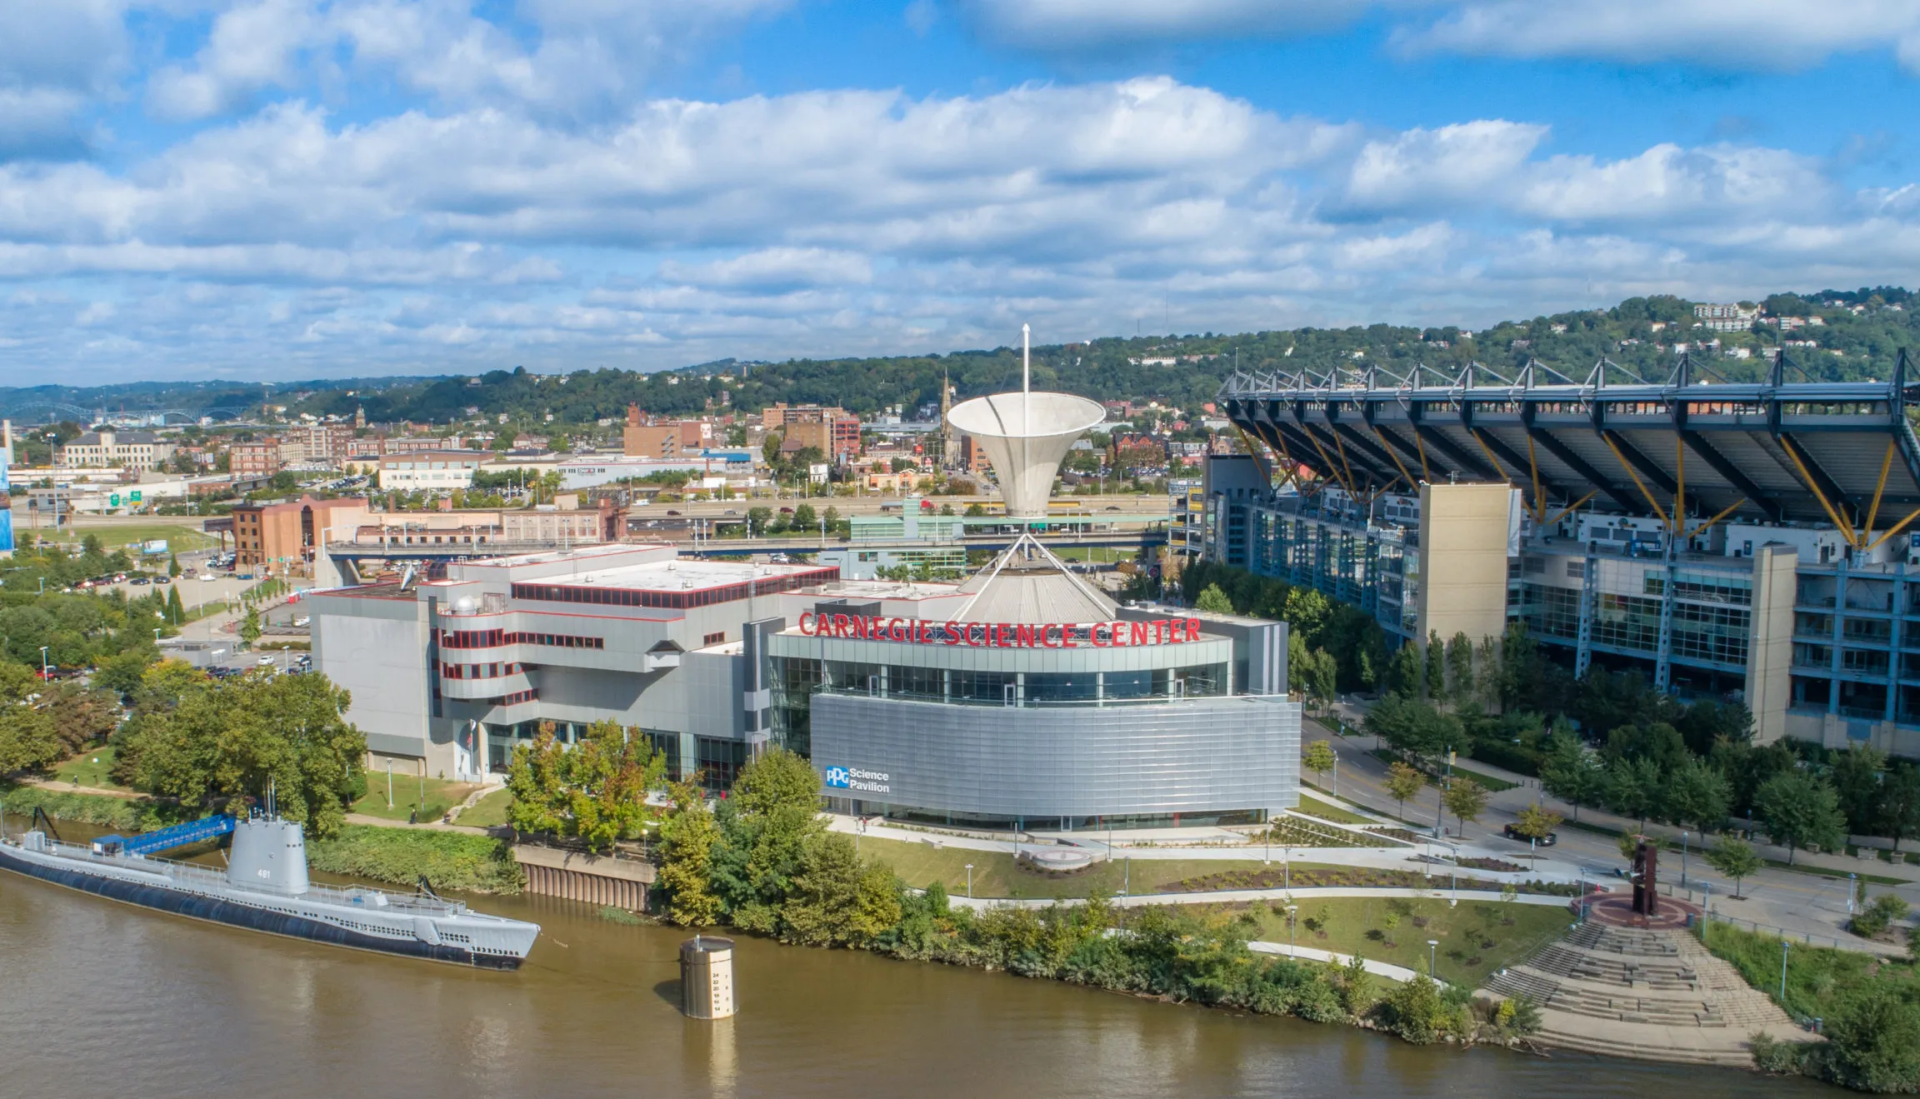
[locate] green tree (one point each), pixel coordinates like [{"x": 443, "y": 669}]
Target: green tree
[
  {"x": 805, "y": 521},
  {"x": 1436, "y": 659},
  {"x": 1696, "y": 794},
  {"x": 286, "y": 734},
  {"x": 176, "y": 611},
  {"x": 1735, "y": 858},
  {"x": 1856, "y": 775},
  {"x": 250, "y": 627},
  {"x": 1404, "y": 782},
  {"x": 1213, "y": 601},
  {"x": 1900, "y": 802},
  {"x": 1318, "y": 757},
  {"x": 1466, "y": 800},
  {"x": 595, "y": 790},
  {"x": 1799, "y": 808},
  {"x": 1459, "y": 668},
  {"x": 1875, "y": 1040},
  {"x": 1633, "y": 788},
  {"x": 837, "y": 899},
  {"x": 173, "y": 565},
  {"x": 1536, "y": 821},
  {"x": 29, "y": 739},
  {"x": 687, "y": 839},
  {"x": 766, "y": 824},
  {"x": 1404, "y": 673}
]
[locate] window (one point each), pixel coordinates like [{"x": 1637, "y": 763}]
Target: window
[{"x": 714, "y": 638}]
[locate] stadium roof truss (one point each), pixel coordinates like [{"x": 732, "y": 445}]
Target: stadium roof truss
[{"x": 1692, "y": 449}]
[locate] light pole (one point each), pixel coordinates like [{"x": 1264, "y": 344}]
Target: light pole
[
  {"x": 390, "y": 786},
  {"x": 1433, "y": 947},
  {"x": 1784, "y": 947},
  {"x": 1291, "y": 909},
  {"x": 1853, "y": 891},
  {"x": 969, "y": 881},
  {"x": 45, "y": 675},
  {"x": 1336, "y": 774},
  {"x": 1683, "y": 859}
]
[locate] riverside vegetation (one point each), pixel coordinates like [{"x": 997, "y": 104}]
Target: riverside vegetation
[{"x": 763, "y": 861}]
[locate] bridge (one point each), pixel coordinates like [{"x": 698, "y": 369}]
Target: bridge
[{"x": 724, "y": 547}]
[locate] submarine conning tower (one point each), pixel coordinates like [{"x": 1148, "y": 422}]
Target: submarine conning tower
[{"x": 268, "y": 854}]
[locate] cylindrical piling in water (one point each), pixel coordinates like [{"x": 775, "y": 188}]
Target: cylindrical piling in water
[{"x": 706, "y": 977}]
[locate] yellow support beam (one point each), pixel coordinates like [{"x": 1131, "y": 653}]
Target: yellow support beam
[
  {"x": 1266, "y": 467},
  {"x": 1331, "y": 468},
  {"x": 1562, "y": 513},
  {"x": 1886, "y": 464},
  {"x": 1628, "y": 466},
  {"x": 1709, "y": 524},
  {"x": 1680, "y": 487},
  {"x": 1491, "y": 460},
  {"x": 1894, "y": 529},
  {"x": 1388, "y": 447},
  {"x": 1420, "y": 444},
  {"x": 1533, "y": 467},
  {"x": 1341, "y": 446},
  {"x": 1845, "y": 528}
]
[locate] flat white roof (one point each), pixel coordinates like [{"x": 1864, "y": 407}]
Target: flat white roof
[{"x": 684, "y": 574}]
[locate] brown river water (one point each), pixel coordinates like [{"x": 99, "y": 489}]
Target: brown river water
[{"x": 98, "y": 999}]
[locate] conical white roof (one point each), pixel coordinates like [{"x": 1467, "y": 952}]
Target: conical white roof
[{"x": 1026, "y": 435}]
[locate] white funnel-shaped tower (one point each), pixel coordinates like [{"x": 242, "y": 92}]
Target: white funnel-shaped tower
[{"x": 1026, "y": 436}]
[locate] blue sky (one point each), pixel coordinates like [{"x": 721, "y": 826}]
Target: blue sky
[{"x": 301, "y": 188}]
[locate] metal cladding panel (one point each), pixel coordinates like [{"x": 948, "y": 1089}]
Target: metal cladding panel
[{"x": 1193, "y": 755}]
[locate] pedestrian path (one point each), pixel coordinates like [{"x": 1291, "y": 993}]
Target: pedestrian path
[{"x": 1397, "y": 973}]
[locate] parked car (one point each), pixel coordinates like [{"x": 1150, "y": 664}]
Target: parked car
[
  {"x": 303, "y": 620},
  {"x": 163, "y": 578},
  {"x": 1513, "y": 833},
  {"x": 265, "y": 661},
  {"x": 208, "y": 578},
  {"x": 141, "y": 580}
]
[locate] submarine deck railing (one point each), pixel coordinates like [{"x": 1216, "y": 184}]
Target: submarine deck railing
[{"x": 201, "y": 879}]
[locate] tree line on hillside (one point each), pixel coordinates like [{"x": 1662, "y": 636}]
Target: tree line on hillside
[{"x": 1111, "y": 368}]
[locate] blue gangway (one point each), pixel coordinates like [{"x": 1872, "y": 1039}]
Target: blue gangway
[{"x": 179, "y": 835}]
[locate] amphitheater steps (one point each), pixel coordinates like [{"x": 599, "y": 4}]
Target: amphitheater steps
[{"x": 1649, "y": 994}]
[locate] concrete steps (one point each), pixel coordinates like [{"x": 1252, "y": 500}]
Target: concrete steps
[{"x": 1654, "y": 995}]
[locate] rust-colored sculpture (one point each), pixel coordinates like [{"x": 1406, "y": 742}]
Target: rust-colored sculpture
[{"x": 1646, "y": 892}]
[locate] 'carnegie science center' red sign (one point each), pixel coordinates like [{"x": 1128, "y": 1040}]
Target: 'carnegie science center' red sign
[{"x": 1003, "y": 635}]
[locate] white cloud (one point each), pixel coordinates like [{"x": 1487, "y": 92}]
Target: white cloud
[
  {"x": 1070, "y": 25},
  {"x": 1729, "y": 34},
  {"x": 1720, "y": 34},
  {"x": 1423, "y": 168},
  {"x": 251, "y": 47}
]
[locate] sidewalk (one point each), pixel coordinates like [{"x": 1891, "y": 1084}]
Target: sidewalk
[
  {"x": 1253, "y": 896},
  {"x": 1377, "y": 858}
]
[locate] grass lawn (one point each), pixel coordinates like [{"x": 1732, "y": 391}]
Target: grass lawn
[
  {"x": 489, "y": 811},
  {"x": 182, "y": 534},
  {"x": 1820, "y": 980},
  {"x": 1326, "y": 810},
  {"x": 1476, "y": 938},
  {"x": 441, "y": 796},
  {"x": 89, "y": 769},
  {"x": 996, "y": 875}
]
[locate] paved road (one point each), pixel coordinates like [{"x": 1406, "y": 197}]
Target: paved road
[{"x": 1804, "y": 903}]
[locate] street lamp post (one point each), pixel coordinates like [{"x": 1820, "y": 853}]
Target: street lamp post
[
  {"x": 1433, "y": 947},
  {"x": 1784, "y": 947},
  {"x": 45, "y": 674},
  {"x": 1336, "y": 774},
  {"x": 1291, "y": 909},
  {"x": 1683, "y": 859},
  {"x": 389, "y": 784},
  {"x": 969, "y": 881}
]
